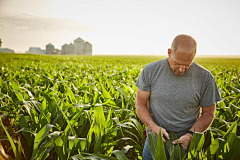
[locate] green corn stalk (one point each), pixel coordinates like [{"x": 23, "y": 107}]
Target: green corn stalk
[{"x": 15, "y": 151}]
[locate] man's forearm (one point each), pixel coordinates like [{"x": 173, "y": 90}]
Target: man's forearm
[
  {"x": 145, "y": 116},
  {"x": 203, "y": 122}
]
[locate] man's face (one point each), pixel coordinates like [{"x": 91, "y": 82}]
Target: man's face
[{"x": 181, "y": 60}]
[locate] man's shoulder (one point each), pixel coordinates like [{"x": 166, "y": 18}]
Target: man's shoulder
[
  {"x": 201, "y": 71},
  {"x": 156, "y": 64}
]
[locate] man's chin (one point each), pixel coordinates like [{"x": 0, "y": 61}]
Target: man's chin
[{"x": 178, "y": 73}]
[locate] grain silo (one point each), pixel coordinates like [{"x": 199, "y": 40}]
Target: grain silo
[
  {"x": 71, "y": 49},
  {"x": 49, "y": 48},
  {"x": 87, "y": 48},
  {"x": 64, "y": 49},
  {"x": 78, "y": 43}
]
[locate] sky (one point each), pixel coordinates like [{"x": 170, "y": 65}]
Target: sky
[{"x": 127, "y": 27}]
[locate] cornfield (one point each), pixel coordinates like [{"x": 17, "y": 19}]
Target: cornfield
[{"x": 73, "y": 107}]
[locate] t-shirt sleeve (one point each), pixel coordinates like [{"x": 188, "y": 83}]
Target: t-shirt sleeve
[
  {"x": 143, "y": 82},
  {"x": 210, "y": 94}
]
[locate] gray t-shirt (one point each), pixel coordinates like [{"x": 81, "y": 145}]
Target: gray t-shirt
[{"x": 175, "y": 101}]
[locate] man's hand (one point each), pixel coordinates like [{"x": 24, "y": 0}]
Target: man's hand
[
  {"x": 184, "y": 140},
  {"x": 163, "y": 131}
]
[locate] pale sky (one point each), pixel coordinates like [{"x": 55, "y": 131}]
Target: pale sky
[{"x": 121, "y": 26}]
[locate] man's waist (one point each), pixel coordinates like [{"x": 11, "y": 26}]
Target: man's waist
[{"x": 178, "y": 133}]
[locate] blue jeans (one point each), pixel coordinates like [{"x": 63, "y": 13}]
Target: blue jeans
[{"x": 147, "y": 155}]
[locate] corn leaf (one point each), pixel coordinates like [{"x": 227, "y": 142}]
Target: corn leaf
[
  {"x": 152, "y": 140},
  {"x": 17, "y": 155},
  {"x": 160, "y": 150},
  {"x": 232, "y": 128},
  {"x": 99, "y": 119},
  {"x": 119, "y": 155},
  {"x": 15, "y": 87},
  {"x": 39, "y": 137}
]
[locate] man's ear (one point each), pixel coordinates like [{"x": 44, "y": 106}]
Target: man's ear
[{"x": 169, "y": 52}]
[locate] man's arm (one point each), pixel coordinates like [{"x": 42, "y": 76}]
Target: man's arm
[
  {"x": 144, "y": 114},
  {"x": 203, "y": 122},
  {"x": 205, "y": 119}
]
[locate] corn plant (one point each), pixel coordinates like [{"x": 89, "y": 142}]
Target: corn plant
[{"x": 75, "y": 107}]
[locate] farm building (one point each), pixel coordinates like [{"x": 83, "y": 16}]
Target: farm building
[
  {"x": 68, "y": 49},
  {"x": 79, "y": 46},
  {"x": 49, "y": 49},
  {"x": 87, "y": 48},
  {"x": 43, "y": 52},
  {"x": 56, "y": 51},
  {"x": 64, "y": 49},
  {"x": 6, "y": 50},
  {"x": 35, "y": 50}
]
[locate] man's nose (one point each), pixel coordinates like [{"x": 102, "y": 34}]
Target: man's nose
[{"x": 182, "y": 68}]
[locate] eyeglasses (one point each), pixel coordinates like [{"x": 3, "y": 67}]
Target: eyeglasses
[{"x": 185, "y": 66}]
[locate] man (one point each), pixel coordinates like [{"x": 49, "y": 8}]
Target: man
[{"x": 175, "y": 89}]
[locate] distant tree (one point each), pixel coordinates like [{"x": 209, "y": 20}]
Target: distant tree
[{"x": 0, "y": 42}]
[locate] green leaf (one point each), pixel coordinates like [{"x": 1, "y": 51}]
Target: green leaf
[
  {"x": 17, "y": 155},
  {"x": 69, "y": 91},
  {"x": 15, "y": 87},
  {"x": 214, "y": 147},
  {"x": 77, "y": 157},
  {"x": 138, "y": 125},
  {"x": 71, "y": 144},
  {"x": 26, "y": 130},
  {"x": 152, "y": 141},
  {"x": 200, "y": 143},
  {"x": 68, "y": 122},
  {"x": 75, "y": 118},
  {"x": 82, "y": 143},
  {"x": 19, "y": 96},
  {"x": 109, "y": 102},
  {"x": 95, "y": 156},
  {"x": 44, "y": 149},
  {"x": 119, "y": 155},
  {"x": 172, "y": 154},
  {"x": 1, "y": 82},
  {"x": 99, "y": 119},
  {"x": 96, "y": 98},
  {"x": 196, "y": 145},
  {"x": 229, "y": 145},
  {"x": 160, "y": 150},
  {"x": 105, "y": 93},
  {"x": 232, "y": 128},
  {"x": 178, "y": 149},
  {"x": 236, "y": 153},
  {"x": 89, "y": 138},
  {"x": 169, "y": 144},
  {"x": 212, "y": 138},
  {"x": 156, "y": 146},
  {"x": 59, "y": 148},
  {"x": 97, "y": 146},
  {"x": 39, "y": 137}
]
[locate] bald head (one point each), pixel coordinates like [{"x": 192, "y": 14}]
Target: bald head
[{"x": 184, "y": 41}]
